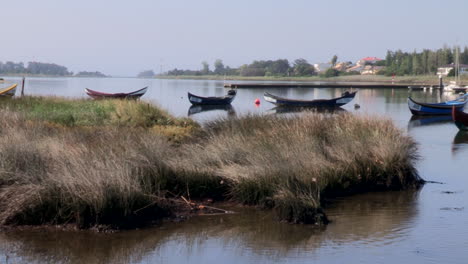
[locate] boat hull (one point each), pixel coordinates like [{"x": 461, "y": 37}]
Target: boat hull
[
  {"x": 223, "y": 100},
  {"x": 418, "y": 108},
  {"x": 132, "y": 95},
  {"x": 461, "y": 119},
  {"x": 9, "y": 91},
  {"x": 319, "y": 103}
]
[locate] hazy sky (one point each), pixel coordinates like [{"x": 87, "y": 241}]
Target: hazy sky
[{"x": 125, "y": 37}]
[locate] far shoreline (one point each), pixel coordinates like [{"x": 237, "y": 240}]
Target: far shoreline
[
  {"x": 402, "y": 80},
  {"x": 408, "y": 79}
]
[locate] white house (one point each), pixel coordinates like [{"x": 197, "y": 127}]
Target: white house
[
  {"x": 444, "y": 70},
  {"x": 322, "y": 67},
  {"x": 371, "y": 70},
  {"x": 356, "y": 68}
]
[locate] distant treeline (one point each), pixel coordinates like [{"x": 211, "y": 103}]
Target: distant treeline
[
  {"x": 38, "y": 68},
  {"x": 396, "y": 62},
  {"x": 420, "y": 63},
  {"x": 280, "y": 67},
  {"x": 90, "y": 74}
]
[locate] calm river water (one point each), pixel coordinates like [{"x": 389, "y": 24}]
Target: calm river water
[{"x": 426, "y": 226}]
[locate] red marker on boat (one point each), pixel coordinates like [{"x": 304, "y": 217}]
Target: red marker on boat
[{"x": 257, "y": 101}]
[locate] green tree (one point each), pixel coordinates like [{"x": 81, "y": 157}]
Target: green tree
[
  {"x": 278, "y": 67},
  {"x": 205, "y": 68},
  {"x": 417, "y": 64},
  {"x": 219, "y": 67},
  {"x": 303, "y": 68},
  {"x": 334, "y": 60},
  {"x": 464, "y": 56},
  {"x": 331, "y": 73},
  {"x": 432, "y": 62}
]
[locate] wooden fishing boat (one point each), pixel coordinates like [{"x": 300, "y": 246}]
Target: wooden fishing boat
[
  {"x": 100, "y": 95},
  {"x": 460, "y": 118},
  {"x": 221, "y": 100},
  {"x": 9, "y": 91},
  {"x": 334, "y": 102},
  {"x": 445, "y": 108}
]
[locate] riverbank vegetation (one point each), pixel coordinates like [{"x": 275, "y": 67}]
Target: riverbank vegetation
[
  {"x": 421, "y": 63},
  {"x": 125, "y": 164},
  {"x": 407, "y": 79},
  {"x": 399, "y": 63}
]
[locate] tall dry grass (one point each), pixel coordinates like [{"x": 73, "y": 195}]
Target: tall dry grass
[
  {"x": 289, "y": 163},
  {"x": 127, "y": 173},
  {"x": 87, "y": 177}
]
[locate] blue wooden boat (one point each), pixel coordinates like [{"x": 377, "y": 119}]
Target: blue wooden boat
[
  {"x": 445, "y": 108},
  {"x": 345, "y": 98},
  {"x": 222, "y": 100}
]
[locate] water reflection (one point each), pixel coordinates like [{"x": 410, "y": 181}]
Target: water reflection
[
  {"x": 297, "y": 109},
  {"x": 460, "y": 142},
  {"x": 418, "y": 121},
  {"x": 195, "y": 109},
  {"x": 248, "y": 235},
  {"x": 367, "y": 228}
]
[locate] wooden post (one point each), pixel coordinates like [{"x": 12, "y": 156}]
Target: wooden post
[{"x": 22, "y": 87}]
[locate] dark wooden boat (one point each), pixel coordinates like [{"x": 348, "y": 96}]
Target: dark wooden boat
[
  {"x": 334, "y": 102},
  {"x": 132, "y": 95},
  {"x": 445, "y": 108},
  {"x": 460, "y": 118},
  {"x": 221, "y": 100}
]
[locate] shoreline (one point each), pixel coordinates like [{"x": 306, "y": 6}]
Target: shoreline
[
  {"x": 403, "y": 80},
  {"x": 423, "y": 80}
]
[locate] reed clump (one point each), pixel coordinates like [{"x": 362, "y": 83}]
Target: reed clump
[
  {"x": 57, "y": 176},
  {"x": 291, "y": 163},
  {"x": 124, "y": 163}
]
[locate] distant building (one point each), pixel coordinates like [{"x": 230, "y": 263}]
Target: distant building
[
  {"x": 368, "y": 61},
  {"x": 322, "y": 67},
  {"x": 355, "y": 68},
  {"x": 341, "y": 66},
  {"x": 444, "y": 70},
  {"x": 371, "y": 70}
]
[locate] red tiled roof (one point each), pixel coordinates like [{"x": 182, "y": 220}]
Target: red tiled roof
[{"x": 371, "y": 59}]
